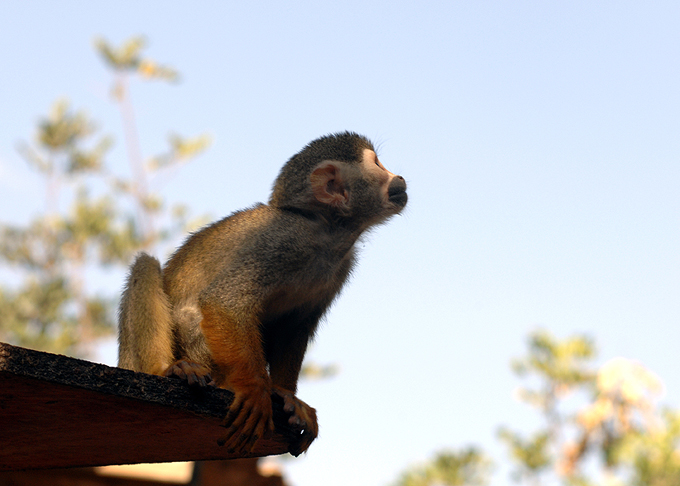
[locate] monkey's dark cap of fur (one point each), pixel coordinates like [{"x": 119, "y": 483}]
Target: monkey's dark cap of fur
[
  {"x": 344, "y": 146},
  {"x": 292, "y": 181}
]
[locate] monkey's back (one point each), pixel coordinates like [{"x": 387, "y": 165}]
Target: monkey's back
[{"x": 204, "y": 254}]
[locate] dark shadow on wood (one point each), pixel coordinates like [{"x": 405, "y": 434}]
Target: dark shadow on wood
[{"x": 57, "y": 411}]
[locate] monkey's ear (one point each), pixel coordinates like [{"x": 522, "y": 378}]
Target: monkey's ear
[{"x": 328, "y": 185}]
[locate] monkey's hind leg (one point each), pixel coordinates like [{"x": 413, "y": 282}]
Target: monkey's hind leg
[{"x": 145, "y": 323}]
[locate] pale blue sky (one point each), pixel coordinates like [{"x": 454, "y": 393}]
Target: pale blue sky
[{"x": 540, "y": 142}]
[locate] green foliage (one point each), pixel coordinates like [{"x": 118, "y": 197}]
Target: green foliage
[
  {"x": 600, "y": 426},
  {"x": 61, "y": 138},
  {"x": 127, "y": 57},
  {"x": 561, "y": 368},
  {"x": 611, "y": 421},
  {"x": 655, "y": 453},
  {"x": 181, "y": 150},
  {"x": 52, "y": 308},
  {"x": 33, "y": 315},
  {"x": 467, "y": 467},
  {"x": 532, "y": 454}
]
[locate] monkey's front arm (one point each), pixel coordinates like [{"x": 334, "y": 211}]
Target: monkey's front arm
[
  {"x": 234, "y": 340},
  {"x": 234, "y": 337}
]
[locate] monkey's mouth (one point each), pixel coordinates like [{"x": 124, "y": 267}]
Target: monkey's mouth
[
  {"x": 396, "y": 193},
  {"x": 399, "y": 199}
]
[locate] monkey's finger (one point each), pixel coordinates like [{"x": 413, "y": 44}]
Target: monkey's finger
[
  {"x": 301, "y": 415},
  {"x": 241, "y": 435},
  {"x": 234, "y": 411},
  {"x": 250, "y": 443},
  {"x": 235, "y": 422},
  {"x": 296, "y": 407},
  {"x": 263, "y": 428},
  {"x": 198, "y": 374},
  {"x": 254, "y": 427},
  {"x": 238, "y": 443},
  {"x": 192, "y": 379},
  {"x": 231, "y": 443},
  {"x": 201, "y": 380},
  {"x": 175, "y": 371},
  {"x": 297, "y": 422},
  {"x": 238, "y": 422},
  {"x": 270, "y": 426},
  {"x": 231, "y": 438},
  {"x": 290, "y": 402},
  {"x": 191, "y": 372}
]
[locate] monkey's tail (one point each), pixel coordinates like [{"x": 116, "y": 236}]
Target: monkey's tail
[{"x": 145, "y": 320}]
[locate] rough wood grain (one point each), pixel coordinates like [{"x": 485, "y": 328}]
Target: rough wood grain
[{"x": 57, "y": 411}]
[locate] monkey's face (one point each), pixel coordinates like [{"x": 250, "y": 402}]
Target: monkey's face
[
  {"x": 391, "y": 187},
  {"x": 363, "y": 191}
]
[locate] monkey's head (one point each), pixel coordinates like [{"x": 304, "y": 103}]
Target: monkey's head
[{"x": 340, "y": 177}]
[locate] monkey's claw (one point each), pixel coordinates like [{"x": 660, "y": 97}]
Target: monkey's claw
[
  {"x": 302, "y": 421},
  {"x": 190, "y": 371}
]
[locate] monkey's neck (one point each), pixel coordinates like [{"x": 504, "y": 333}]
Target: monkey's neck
[
  {"x": 344, "y": 231},
  {"x": 307, "y": 213}
]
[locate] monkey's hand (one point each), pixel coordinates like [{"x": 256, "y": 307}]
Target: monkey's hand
[
  {"x": 250, "y": 417},
  {"x": 192, "y": 372},
  {"x": 302, "y": 420}
]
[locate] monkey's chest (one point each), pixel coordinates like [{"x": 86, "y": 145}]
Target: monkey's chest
[
  {"x": 302, "y": 296},
  {"x": 308, "y": 279}
]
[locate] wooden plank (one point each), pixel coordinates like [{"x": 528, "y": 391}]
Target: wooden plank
[{"x": 57, "y": 411}]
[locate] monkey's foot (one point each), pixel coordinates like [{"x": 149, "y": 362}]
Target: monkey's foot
[
  {"x": 190, "y": 371},
  {"x": 250, "y": 417},
  {"x": 302, "y": 421}
]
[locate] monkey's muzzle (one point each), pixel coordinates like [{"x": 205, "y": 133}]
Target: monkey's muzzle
[{"x": 396, "y": 192}]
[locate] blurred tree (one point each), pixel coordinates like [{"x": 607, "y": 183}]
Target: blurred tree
[
  {"x": 600, "y": 426},
  {"x": 467, "y": 467},
  {"x": 54, "y": 308},
  {"x": 561, "y": 368},
  {"x": 606, "y": 417}
]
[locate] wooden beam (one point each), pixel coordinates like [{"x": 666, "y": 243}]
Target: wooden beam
[{"x": 57, "y": 411}]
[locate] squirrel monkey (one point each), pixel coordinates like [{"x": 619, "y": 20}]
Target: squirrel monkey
[{"x": 240, "y": 300}]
